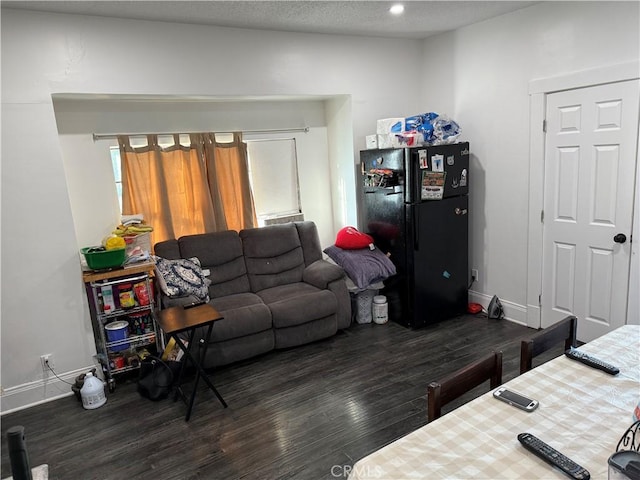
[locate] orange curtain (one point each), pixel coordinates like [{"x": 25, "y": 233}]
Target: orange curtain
[
  {"x": 228, "y": 179},
  {"x": 182, "y": 191}
]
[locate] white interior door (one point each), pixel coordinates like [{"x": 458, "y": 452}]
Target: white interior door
[{"x": 590, "y": 162}]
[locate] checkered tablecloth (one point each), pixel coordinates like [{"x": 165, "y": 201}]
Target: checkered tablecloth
[{"x": 583, "y": 413}]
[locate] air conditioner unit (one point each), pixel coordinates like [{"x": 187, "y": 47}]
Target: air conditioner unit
[{"x": 296, "y": 217}]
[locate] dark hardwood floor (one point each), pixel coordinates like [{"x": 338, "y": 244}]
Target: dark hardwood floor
[{"x": 306, "y": 413}]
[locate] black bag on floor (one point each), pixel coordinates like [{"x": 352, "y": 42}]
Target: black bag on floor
[{"x": 156, "y": 377}]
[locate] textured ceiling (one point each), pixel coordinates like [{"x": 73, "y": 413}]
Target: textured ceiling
[{"x": 366, "y": 18}]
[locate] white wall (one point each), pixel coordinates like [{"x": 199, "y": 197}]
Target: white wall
[
  {"x": 490, "y": 65},
  {"x": 43, "y": 304},
  {"x": 478, "y": 75},
  {"x": 87, "y": 164}
]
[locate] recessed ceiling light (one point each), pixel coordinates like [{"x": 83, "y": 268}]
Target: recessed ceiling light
[{"x": 397, "y": 9}]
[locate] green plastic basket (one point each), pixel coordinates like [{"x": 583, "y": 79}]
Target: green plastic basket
[{"x": 104, "y": 259}]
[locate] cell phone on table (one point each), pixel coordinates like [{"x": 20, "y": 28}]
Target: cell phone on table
[{"x": 516, "y": 399}]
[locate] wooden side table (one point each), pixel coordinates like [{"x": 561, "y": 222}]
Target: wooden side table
[{"x": 176, "y": 320}]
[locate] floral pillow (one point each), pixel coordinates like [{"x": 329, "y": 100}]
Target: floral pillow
[{"x": 182, "y": 277}]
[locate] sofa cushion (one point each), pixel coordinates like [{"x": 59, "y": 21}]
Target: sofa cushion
[
  {"x": 220, "y": 253},
  {"x": 168, "y": 249},
  {"x": 273, "y": 256},
  {"x": 244, "y": 314},
  {"x": 240, "y": 348},
  {"x": 308, "y": 332},
  {"x": 298, "y": 303}
]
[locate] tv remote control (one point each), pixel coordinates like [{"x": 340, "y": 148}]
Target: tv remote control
[
  {"x": 553, "y": 457},
  {"x": 192, "y": 305},
  {"x": 592, "y": 361}
]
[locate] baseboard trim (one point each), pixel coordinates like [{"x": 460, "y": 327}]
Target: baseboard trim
[
  {"x": 513, "y": 312},
  {"x": 35, "y": 393},
  {"x": 533, "y": 316},
  {"x": 30, "y": 394}
]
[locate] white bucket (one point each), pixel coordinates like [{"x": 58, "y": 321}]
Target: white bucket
[
  {"x": 380, "y": 309},
  {"x": 92, "y": 392}
]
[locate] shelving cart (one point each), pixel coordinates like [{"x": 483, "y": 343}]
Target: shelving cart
[{"x": 133, "y": 304}]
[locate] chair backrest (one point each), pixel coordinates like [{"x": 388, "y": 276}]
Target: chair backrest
[
  {"x": 563, "y": 331},
  {"x": 454, "y": 385}
]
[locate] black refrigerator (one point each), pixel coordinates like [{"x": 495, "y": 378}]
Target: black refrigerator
[{"x": 414, "y": 203}]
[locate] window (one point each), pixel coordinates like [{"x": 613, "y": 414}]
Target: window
[
  {"x": 273, "y": 170},
  {"x": 116, "y": 164}
]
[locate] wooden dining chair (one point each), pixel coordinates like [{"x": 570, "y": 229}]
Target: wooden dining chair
[
  {"x": 454, "y": 385},
  {"x": 563, "y": 331}
]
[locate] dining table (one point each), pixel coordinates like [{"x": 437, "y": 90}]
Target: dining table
[{"x": 583, "y": 413}]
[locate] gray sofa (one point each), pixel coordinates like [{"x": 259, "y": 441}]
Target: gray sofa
[{"x": 271, "y": 284}]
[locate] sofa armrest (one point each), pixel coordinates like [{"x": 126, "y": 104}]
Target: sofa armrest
[{"x": 320, "y": 273}]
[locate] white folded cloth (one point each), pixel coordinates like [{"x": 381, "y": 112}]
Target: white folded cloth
[{"x": 132, "y": 219}]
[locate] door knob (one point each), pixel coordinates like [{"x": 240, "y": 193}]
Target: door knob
[{"x": 620, "y": 238}]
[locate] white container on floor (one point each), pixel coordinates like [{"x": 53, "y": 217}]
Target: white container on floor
[
  {"x": 380, "y": 309},
  {"x": 92, "y": 392}
]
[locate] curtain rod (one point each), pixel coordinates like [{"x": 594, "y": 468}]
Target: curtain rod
[{"x": 110, "y": 136}]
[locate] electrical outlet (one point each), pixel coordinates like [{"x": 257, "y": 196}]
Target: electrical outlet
[
  {"x": 47, "y": 362},
  {"x": 474, "y": 274}
]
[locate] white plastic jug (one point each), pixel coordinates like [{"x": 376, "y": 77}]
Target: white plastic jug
[
  {"x": 92, "y": 392},
  {"x": 380, "y": 309}
]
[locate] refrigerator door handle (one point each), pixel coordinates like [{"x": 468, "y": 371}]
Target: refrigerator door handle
[{"x": 416, "y": 229}]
